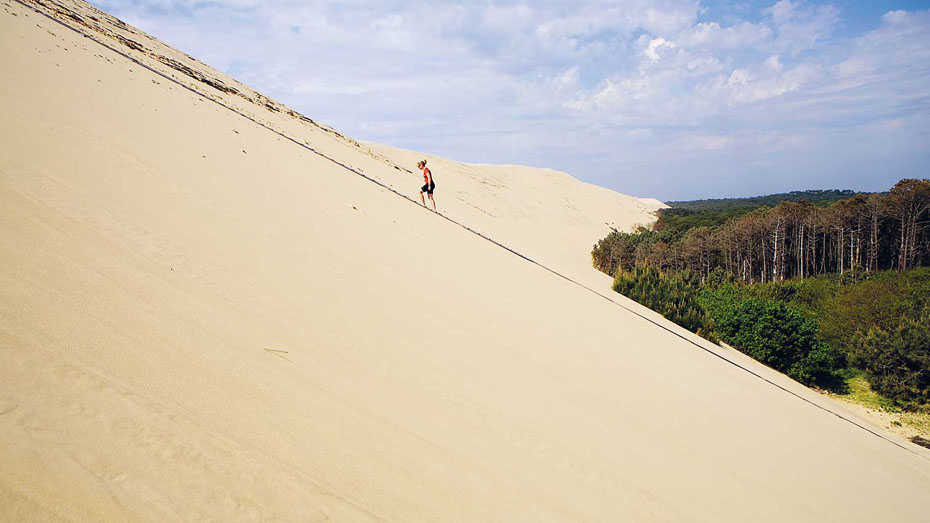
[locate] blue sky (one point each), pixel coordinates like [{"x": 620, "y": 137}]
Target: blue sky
[{"x": 674, "y": 99}]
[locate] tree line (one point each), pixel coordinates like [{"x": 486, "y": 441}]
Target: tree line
[
  {"x": 718, "y": 204},
  {"x": 867, "y": 232}
]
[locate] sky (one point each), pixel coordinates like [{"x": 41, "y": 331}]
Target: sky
[{"x": 671, "y": 99}]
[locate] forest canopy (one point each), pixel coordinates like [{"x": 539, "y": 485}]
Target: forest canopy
[
  {"x": 868, "y": 232},
  {"x": 819, "y": 292}
]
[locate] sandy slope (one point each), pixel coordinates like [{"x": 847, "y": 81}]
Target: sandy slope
[
  {"x": 546, "y": 214},
  {"x": 155, "y": 246}
]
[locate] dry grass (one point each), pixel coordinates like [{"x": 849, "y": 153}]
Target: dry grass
[{"x": 883, "y": 411}]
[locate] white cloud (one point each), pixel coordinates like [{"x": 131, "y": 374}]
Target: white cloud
[
  {"x": 800, "y": 26},
  {"x": 774, "y": 64},
  {"x": 652, "y": 50},
  {"x": 710, "y": 35},
  {"x": 706, "y": 142}
]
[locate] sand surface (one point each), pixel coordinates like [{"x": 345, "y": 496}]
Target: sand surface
[{"x": 202, "y": 320}]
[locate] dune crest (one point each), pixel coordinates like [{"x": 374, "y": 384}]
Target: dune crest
[
  {"x": 200, "y": 319},
  {"x": 549, "y": 214}
]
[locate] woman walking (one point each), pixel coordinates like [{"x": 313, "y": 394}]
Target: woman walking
[{"x": 428, "y": 184}]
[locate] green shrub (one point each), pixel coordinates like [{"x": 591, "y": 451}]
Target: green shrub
[
  {"x": 897, "y": 362},
  {"x": 673, "y": 295},
  {"x": 810, "y": 329},
  {"x": 770, "y": 331}
]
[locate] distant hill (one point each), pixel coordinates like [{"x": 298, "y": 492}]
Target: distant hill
[{"x": 726, "y": 204}]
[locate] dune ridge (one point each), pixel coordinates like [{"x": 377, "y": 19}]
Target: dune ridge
[
  {"x": 544, "y": 203},
  {"x": 201, "y": 320}
]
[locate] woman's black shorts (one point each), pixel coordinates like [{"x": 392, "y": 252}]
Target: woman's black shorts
[{"x": 428, "y": 189}]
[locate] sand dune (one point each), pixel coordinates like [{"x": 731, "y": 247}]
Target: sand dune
[
  {"x": 200, "y": 319},
  {"x": 546, "y": 214}
]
